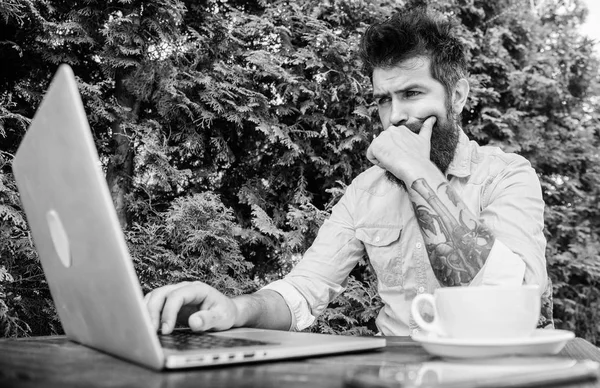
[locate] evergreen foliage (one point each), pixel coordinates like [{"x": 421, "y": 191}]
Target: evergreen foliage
[{"x": 228, "y": 129}]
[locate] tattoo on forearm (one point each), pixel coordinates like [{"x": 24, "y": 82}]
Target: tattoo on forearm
[{"x": 457, "y": 243}]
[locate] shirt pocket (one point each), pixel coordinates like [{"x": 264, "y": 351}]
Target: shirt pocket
[{"x": 384, "y": 249}]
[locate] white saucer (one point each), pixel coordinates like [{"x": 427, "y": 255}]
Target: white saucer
[{"x": 542, "y": 341}]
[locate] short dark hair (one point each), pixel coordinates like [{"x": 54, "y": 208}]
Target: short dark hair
[{"x": 411, "y": 33}]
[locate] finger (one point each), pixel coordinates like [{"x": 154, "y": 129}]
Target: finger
[
  {"x": 194, "y": 293},
  {"x": 371, "y": 151},
  {"x": 154, "y": 316},
  {"x": 427, "y": 127},
  {"x": 371, "y": 157},
  {"x": 155, "y": 301}
]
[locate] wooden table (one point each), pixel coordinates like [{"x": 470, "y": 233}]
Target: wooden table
[{"x": 57, "y": 362}]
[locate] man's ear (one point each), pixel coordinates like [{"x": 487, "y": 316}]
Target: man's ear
[{"x": 459, "y": 95}]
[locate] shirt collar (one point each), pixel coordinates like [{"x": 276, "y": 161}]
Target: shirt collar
[{"x": 461, "y": 163}]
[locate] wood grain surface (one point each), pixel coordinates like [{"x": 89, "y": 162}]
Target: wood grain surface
[{"x": 58, "y": 362}]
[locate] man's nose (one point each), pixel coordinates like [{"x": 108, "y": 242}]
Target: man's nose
[{"x": 398, "y": 114}]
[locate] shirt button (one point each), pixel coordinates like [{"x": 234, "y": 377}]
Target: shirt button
[
  {"x": 419, "y": 245},
  {"x": 377, "y": 239},
  {"x": 421, "y": 290}
]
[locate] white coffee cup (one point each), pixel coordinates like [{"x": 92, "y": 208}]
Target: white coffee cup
[{"x": 489, "y": 312}]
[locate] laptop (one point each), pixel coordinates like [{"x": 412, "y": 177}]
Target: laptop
[{"x": 87, "y": 264}]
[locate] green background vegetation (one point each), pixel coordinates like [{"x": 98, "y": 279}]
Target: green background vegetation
[{"x": 227, "y": 129}]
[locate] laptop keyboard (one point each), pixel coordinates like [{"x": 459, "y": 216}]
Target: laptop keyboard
[{"x": 189, "y": 340}]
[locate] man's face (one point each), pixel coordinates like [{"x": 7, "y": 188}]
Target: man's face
[{"x": 407, "y": 95}]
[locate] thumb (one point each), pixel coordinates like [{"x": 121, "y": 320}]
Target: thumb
[
  {"x": 199, "y": 321},
  {"x": 427, "y": 127},
  {"x": 205, "y": 320}
]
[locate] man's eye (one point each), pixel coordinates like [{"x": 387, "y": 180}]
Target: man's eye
[
  {"x": 412, "y": 93},
  {"x": 382, "y": 100}
]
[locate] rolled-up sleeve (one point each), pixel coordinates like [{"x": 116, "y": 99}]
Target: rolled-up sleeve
[
  {"x": 322, "y": 274},
  {"x": 301, "y": 314},
  {"x": 503, "y": 267},
  {"x": 513, "y": 208}
]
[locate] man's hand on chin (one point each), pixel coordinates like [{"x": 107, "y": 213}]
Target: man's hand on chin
[{"x": 402, "y": 152}]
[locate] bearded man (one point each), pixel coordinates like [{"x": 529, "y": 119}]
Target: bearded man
[{"x": 435, "y": 210}]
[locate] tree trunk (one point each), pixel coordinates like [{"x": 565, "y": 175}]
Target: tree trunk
[{"x": 119, "y": 173}]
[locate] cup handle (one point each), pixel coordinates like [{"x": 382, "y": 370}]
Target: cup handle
[{"x": 433, "y": 326}]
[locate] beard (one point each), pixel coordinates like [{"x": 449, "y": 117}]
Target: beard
[{"x": 444, "y": 140}]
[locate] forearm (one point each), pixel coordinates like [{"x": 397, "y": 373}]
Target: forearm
[
  {"x": 265, "y": 309},
  {"x": 458, "y": 244}
]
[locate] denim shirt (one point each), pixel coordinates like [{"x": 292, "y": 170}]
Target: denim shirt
[{"x": 376, "y": 217}]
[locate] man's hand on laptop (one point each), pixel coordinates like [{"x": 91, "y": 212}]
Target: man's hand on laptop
[
  {"x": 198, "y": 304},
  {"x": 204, "y": 308}
]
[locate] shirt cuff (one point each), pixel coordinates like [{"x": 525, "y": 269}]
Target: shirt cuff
[
  {"x": 503, "y": 267},
  {"x": 301, "y": 316}
]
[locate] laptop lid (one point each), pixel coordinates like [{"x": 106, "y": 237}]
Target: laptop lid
[{"x": 76, "y": 231}]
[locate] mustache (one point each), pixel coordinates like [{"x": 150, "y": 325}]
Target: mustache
[{"x": 416, "y": 125}]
